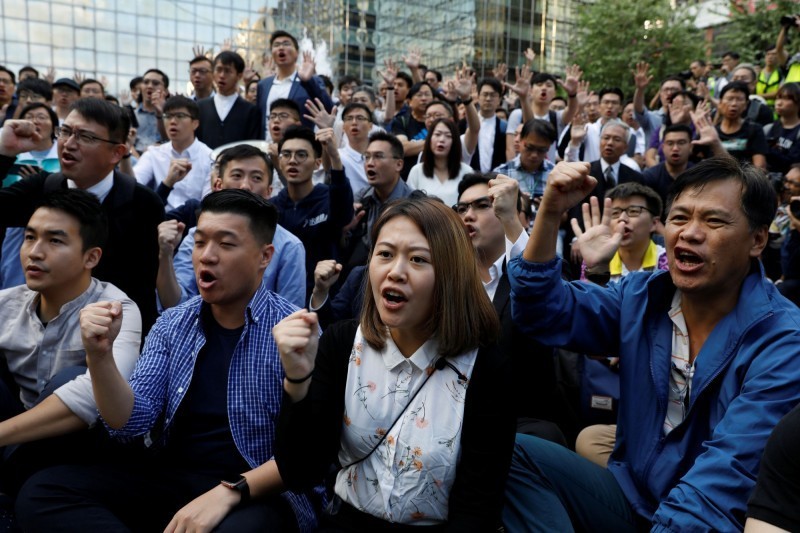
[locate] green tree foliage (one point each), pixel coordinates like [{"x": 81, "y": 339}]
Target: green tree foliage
[
  {"x": 616, "y": 34},
  {"x": 754, "y": 25}
]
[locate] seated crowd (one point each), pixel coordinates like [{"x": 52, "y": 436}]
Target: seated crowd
[{"x": 269, "y": 306}]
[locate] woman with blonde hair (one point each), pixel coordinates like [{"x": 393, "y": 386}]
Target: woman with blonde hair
[{"x": 404, "y": 402}]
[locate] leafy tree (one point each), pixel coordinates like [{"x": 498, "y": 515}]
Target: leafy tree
[
  {"x": 615, "y": 34},
  {"x": 754, "y": 25}
]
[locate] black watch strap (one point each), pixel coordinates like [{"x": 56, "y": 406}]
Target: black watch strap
[{"x": 240, "y": 486}]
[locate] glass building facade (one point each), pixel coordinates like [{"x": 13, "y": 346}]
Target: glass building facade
[{"x": 117, "y": 40}]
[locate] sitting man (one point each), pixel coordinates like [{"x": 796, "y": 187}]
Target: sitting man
[
  {"x": 178, "y": 170},
  {"x": 206, "y": 393},
  {"x": 240, "y": 167},
  {"x": 709, "y": 361},
  {"x": 40, "y": 341}
]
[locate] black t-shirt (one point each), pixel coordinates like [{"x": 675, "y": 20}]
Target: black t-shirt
[
  {"x": 200, "y": 438},
  {"x": 414, "y": 130},
  {"x": 784, "y": 147},
  {"x": 745, "y": 143},
  {"x": 776, "y": 498},
  {"x": 659, "y": 179}
]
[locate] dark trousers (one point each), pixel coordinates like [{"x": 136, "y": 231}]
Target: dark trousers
[
  {"x": 551, "y": 488},
  {"x": 140, "y": 496}
]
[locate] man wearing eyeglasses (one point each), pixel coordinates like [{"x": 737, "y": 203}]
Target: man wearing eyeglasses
[
  {"x": 315, "y": 214},
  {"x": 298, "y": 85},
  {"x": 90, "y": 144},
  {"x": 531, "y": 166},
  {"x": 155, "y": 85},
  {"x": 178, "y": 170},
  {"x": 201, "y": 75},
  {"x": 227, "y": 117}
]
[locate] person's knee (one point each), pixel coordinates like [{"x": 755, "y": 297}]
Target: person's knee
[{"x": 596, "y": 443}]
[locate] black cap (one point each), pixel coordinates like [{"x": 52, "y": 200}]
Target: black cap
[{"x": 72, "y": 84}]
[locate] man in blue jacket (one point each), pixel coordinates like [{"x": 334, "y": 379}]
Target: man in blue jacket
[{"x": 709, "y": 361}]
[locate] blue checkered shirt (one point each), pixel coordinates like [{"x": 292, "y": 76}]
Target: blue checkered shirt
[
  {"x": 164, "y": 372},
  {"x": 529, "y": 182}
]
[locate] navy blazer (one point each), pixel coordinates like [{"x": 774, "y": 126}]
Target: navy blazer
[{"x": 299, "y": 93}]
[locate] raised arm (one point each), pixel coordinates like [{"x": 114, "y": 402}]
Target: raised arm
[{"x": 170, "y": 233}]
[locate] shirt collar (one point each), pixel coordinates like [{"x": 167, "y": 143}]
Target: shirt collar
[
  {"x": 422, "y": 359},
  {"x": 100, "y": 189},
  {"x": 190, "y": 150},
  {"x": 604, "y": 165}
]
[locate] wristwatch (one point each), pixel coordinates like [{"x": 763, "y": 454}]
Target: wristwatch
[{"x": 241, "y": 486}]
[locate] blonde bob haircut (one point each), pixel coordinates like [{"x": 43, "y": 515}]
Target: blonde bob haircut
[{"x": 463, "y": 317}]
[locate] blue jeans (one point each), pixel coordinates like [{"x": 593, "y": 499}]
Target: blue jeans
[{"x": 551, "y": 488}]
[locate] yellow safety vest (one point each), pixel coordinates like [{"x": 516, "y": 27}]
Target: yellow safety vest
[
  {"x": 794, "y": 74},
  {"x": 764, "y": 86}
]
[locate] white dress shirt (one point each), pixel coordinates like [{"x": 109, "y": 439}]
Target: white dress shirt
[{"x": 154, "y": 166}]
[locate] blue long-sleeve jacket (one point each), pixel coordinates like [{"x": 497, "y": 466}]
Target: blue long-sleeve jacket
[{"x": 747, "y": 376}]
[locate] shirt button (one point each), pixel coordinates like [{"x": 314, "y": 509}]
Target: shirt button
[{"x": 180, "y": 389}]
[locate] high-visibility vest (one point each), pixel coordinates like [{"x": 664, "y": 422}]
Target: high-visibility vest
[
  {"x": 794, "y": 73},
  {"x": 768, "y": 85}
]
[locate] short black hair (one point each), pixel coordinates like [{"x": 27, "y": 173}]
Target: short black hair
[
  {"x": 541, "y": 128},
  {"x": 355, "y": 105},
  {"x": 262, "y": 215},
  {"x": 731, "y": 54},
  {"x": 240, "y": 152},
  {"x": 37, "y": 86},
  {"x": 623, "y": 191},
  {"x": 178, "y": 102},
  {"x": 285, "y": 103},
  {"x": 112, "y": 117},
  {"x": 738, "y": 86},
  {"x": 10, "y": 73},
  {"x": 435, "y": 73},
  {"x": 406, "y": 77},
  {"x": 678, "y": 128},
  {"x": 90, "y": 81},
  {"x": 701, "y": 62},
  {"x": 397, "y": 146},
  {"x": 759, "y": 201},
  {"x": 28, "y": 68},
  {"x": 675, "y": 78},
  {"x": 494, "y": 83},
  {"x": 611, "y": 90},
  {"x": 86, "y": 209},
  {"x": 417, "y": 87},
  {"x": 229, "y": 58},
  {"x": 541, "y": 77},
  {"x": 164, "y": 77},
  {"x": 326, "y": 81},
  {"x": 50, "y": 113},
  {"x": 280, "y": 33},
  {"x": 443, "y": 103},
  {"x": 198, "y": 59},
  {"x": 134, "y": 82},
  {"x": 345, "y": 80},
  {"x": 304, "y": 133}
]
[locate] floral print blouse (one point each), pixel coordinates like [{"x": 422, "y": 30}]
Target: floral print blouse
[{"x": 409, "y": 476}]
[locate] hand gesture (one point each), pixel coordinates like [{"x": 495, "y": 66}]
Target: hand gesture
[
  {"x": 500, "y": 72},
  {"x": 51, "y": 75},
  {"x": 125, "y": 97},
  {"x": 522, "y": 85},
  {"x": 268, "y": 65},
  {"x": 297, "y": 338},
  {"x": 326, "y": 274},
  {"x": 249, "y": 73},
  {"x": 100, "y": 324},
  {"x": 640, "y": 76},
  {"x": 18, "y": 136},
  {"x": 702, "y": 91},
  {"x": 680, "y": 112},
  {"x": 530, "y": 56},
  {"x": 570, "y": 84},
  {"x": 178, "y": 169},
  {"x": 157, "y": 100},
  {"x": 708, "y": 134},
  {"x": 389, "y": 72},
  {"x": 130, "y": 140},
  {"x": 204, "y": 513},
  {"x": 504, "y": 192},
  {"x": 308, "y": 68},
  {"x": 104, "y": 82},
  {"x": 327, "y": 138},
  {"x": 170, "y": 234},
  {"x": 227, "y": 45},
  {"x": 414, "y": 58},
  {"x": 583, "y": 94},
  {"x": 567, "y": 184},
  {"x": 198, "y": 50},
  {"x": 359, "y": 213},
  {"x": 26, "y": 171},
  {"x": 79, "y": 77},
  {"x": 577, "y": 131},
  {"x": 318, "y": 115},
  {"x": 464, "y": 82},
  {"x": 599, "y": 241}
]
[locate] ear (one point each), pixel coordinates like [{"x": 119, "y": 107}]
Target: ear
[
  {"x": 267, "y": 251},
  {"x": 117, "y": 152},
  {"x": 91, "y": 257},
  {"x": 216, "y": 184},
  {"x": 195, "y": 124},
  {"x": 398, "y": 164},
  {"x": 760, "y": 238},
  {"x": 654, "y": 225}
]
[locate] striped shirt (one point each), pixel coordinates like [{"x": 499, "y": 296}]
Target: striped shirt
[{"x": 164, "y": 372}]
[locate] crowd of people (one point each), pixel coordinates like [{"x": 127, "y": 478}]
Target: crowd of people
[{"x": 276, "y": 305}]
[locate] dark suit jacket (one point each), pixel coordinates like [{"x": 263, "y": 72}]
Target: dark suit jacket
[
  {"x": 130, "y": 256},
  {"x": 300, "y": 92},
  {"x": 626, "y": 174},
  {"x": 241, "y": 124}
]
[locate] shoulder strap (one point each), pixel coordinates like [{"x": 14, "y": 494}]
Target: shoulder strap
[{"x": 553, "y": 119}]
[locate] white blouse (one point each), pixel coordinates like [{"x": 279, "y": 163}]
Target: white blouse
[
  {"x": 409, "y": 476},
  {"x": 447, "y": 190}
]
